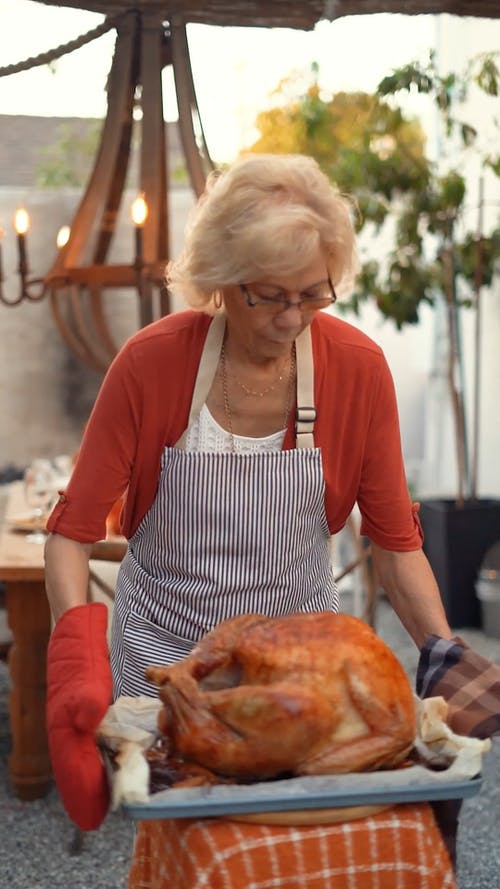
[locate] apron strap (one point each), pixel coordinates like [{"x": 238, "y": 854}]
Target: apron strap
[
  {"x": 306, "y": 412},
  {"x": 206, "y": 371},
  {"x": 305, "y": 416}
]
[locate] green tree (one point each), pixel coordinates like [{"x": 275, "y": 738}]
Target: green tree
[
  {"x": 372, "y": 150},
  {"x": 463, "y": 257},
  {"x": 68, "y": 161}
]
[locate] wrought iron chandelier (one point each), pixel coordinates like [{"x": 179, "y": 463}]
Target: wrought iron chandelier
[{"x": 81, "y": 274}]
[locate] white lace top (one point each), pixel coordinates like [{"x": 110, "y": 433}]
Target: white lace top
[{"x": 205, "y": 434}]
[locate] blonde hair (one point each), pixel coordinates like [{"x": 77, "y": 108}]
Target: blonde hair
[{"x": 265, "y": 215}]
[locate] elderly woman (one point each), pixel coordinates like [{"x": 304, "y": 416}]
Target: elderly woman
[{"x": 242, "y": 432}]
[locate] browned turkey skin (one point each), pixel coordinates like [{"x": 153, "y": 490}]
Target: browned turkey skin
[{"x": 305, "y": 694}]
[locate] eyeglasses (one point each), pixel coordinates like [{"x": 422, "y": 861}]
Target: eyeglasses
[{"x": 317, "y": 297}]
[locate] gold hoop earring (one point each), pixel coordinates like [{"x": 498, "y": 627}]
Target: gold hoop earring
[{"x": 217, "y": 299}]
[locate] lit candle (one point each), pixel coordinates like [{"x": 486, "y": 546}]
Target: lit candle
[
  {"x": 22, "y": 224},
  {"x": 63, "y": 236},
  {"x": 139, "y": 214}
]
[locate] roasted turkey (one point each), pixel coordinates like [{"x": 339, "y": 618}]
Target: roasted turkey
[{"x": 304, "y": 694}]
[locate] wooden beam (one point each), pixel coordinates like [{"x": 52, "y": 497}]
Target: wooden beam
[
  {"x": 153, "y": 141},
  {"x": 188, "y": 109},
  {"x": 302, "y": 14},
  {"x": 83, "y": 350},
  {"x": 88, "y": 217}
]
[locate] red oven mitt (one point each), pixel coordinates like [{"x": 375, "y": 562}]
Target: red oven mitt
[{"x": 79, "y": 691}]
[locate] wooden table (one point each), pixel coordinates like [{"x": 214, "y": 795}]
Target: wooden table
[{"x": 23, "y": 572}]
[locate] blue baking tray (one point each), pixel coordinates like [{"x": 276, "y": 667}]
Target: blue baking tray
[{"x": 414, "y": 784}]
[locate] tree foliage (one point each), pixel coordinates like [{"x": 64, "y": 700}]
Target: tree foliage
[
  {"x": 68, "y": 160},
  {"x": 371, "y": 149}
]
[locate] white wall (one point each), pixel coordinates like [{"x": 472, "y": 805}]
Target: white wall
[
  {"x": 424, "y": 407},
  {"x": 457, "y": 41},
  {"x": 417, "y": 355}
]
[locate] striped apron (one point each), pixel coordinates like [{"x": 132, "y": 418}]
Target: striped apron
[{"x": 227, "y": 534}]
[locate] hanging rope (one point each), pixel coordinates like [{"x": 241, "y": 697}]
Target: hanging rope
[{"x": 46, "y": 57}]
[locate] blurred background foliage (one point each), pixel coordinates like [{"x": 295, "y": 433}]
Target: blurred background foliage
[{"x": 375, "y": 152}]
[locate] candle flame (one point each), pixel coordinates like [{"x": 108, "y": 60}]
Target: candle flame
[
  {"x": 63, "y": 236},
  {"x": 139, "y": 211},
  {"x": 21, "y": 221}
]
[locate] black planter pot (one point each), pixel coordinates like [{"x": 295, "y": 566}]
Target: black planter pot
[{"x": 455, "y": 542}]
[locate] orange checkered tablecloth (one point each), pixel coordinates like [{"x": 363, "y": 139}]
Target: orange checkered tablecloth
[{"x": 400, "y": 848}]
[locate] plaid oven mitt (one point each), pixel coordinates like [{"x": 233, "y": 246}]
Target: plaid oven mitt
[{"x": 468, "y": 682}]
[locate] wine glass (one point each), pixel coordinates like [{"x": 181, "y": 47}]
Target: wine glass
[
  {"x": 62, "y": 466},
  {"x": 39, "y": 492}
]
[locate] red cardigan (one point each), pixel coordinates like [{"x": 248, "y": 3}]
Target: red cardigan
[{"x": 143, "y": 406}]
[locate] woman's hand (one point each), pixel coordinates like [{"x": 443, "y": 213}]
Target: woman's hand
[{"x": 469, "y": 683}]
